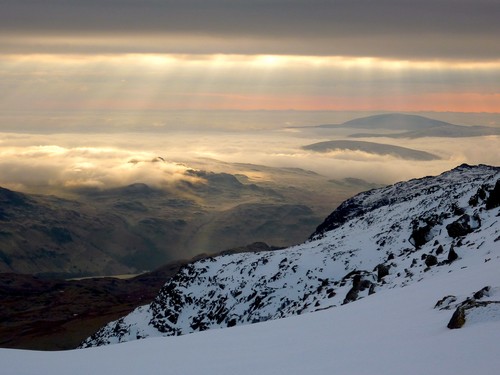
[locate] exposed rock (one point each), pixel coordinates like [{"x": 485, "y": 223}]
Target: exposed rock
[
  {"x": 494, "y": 197},
  {"x": 352, "y": 295},
  {"x": 457, "y": 210},
  {"x": 457, "y": 319},
  {"x": 479, "y": 196},
  {"x": 422, "y": 230},
  {"x": 371, "y": 290},
  {"x": 485, "y": 310},
  {"x": 382, "y": 271},
  {"x": 452, "y": 255},
  {"x": 471, "y": 309},
  {"x": 463, "y": 226},
  {"x": 359, "y": 284},
  {"x": 420, "y": 236},
  {"x": 343, "y": 213},
  {"x": 482, "y": 293},
  {"x": 431, "y": 260},
  {"x": 445, "y": 303},
  {"x": 439, "y": 250}
]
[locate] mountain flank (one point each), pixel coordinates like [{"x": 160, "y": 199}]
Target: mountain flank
[
  {"x": 398, "y": 125},
  {"x": 382, "y": 239},
  {"x": 136, "y": 228},
  {"x": 57, "y": 314},
  {"x": 372, "y": 148}
]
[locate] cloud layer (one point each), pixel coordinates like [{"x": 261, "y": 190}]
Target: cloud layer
[
  {"x": 161, "y": 82},
  {"x": 446, "y": 29},
  {"x": 55, "y": 163}
]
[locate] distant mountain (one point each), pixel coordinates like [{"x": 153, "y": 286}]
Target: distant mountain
[
  {"x": 372, "y": 148},
  {"x": 421, "y": 230},
  {"x": 53, "y": 236},
  {"x": 409, "y": 126},
  {"x": 394, "y": 121},
  {"x": 128, "y": 191},
  {"x": 130, "y": 229},
  {"x": 357, "y": 182}
]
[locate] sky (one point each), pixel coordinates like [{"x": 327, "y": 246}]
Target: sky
[
  {"x": 98, "y": 67},
  {"x": 359, "y": 55}
]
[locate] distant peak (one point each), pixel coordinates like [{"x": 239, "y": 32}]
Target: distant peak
[
  {"x": 467, "y": 167},
  {"x": 394, "y": 121},
  {"x": 464, "y": 166}
]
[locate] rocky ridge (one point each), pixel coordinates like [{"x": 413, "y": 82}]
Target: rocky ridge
[{"x": 380, "y": 239}]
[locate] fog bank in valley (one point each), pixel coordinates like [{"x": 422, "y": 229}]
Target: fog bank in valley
[{"x": 49, "y": 163}]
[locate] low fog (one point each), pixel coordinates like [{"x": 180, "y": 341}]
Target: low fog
[
  {"x": 207, "y": 191},
  {"x": 58, "y": 163}
]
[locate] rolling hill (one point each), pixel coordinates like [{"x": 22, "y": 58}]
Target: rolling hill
[
  {"x": 372, "y": 148},
  {"x": 397, "y": 125}
]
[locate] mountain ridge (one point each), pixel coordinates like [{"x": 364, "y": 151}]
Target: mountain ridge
[
  {"x": 399, "y": 125},
  {"x": 372, "y": 148},
  {"x": 394, "y": 121},
  {"x": 137, "y": 227},
  {"x": 381, "y": 239}
]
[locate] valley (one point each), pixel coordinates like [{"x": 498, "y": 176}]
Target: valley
[{"x": 137, "y": 228}]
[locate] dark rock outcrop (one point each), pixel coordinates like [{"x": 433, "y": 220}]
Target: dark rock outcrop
[
  {"x": 342, "y": 214},
  {"x": 482, "y": 293},
  {"x": 486, "y": 309},
  {"x": 422, "y": 230},
  {"x": 431, "y": 260},
  {"x": 463, "y": 226},
  {"x": 457, "y": 319},
  {"x": 478, "y": 197},
  {"x": 360, "y": 283},
  {"x": 382, "y": 271},
  {"x": 493, "y": 200},
  {"x": 445, "y": 303},
  {"x": 440, "y": 250},
  {"x": 452, "y": 255}
]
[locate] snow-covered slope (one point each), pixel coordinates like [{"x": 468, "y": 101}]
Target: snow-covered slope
[
  {"x": 379, "y": 240},
  {"x": 396, "y": 331}
]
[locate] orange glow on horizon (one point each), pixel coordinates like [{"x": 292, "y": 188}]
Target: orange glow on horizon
[
  {"x": 444, "y": 102},
  {"x": 245, "y": 82}
]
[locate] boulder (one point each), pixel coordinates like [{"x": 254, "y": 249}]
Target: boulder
[
  {"x": 382, "y": 271},
  {"x": 431, "y": 260},
  {"x": 457, "y": 319},
  {"x": 486, "y": 310},
  {"x": 359, "y": 284},
  {"x": 463, "y": 226},
  {"x": 440, "y": 250},
  {"x": 482, "y": 293},
  {"x": 452, "y": 255}
]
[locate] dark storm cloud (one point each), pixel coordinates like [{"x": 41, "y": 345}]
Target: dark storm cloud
[{"x": 386, "y": 28}]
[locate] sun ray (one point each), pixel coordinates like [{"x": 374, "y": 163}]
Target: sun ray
[{"x": 144, "y": 82}]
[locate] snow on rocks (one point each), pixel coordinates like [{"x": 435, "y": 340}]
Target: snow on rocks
[
  {"x": 482, "y": 306},
  {"x": 380, "y": 239}
]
